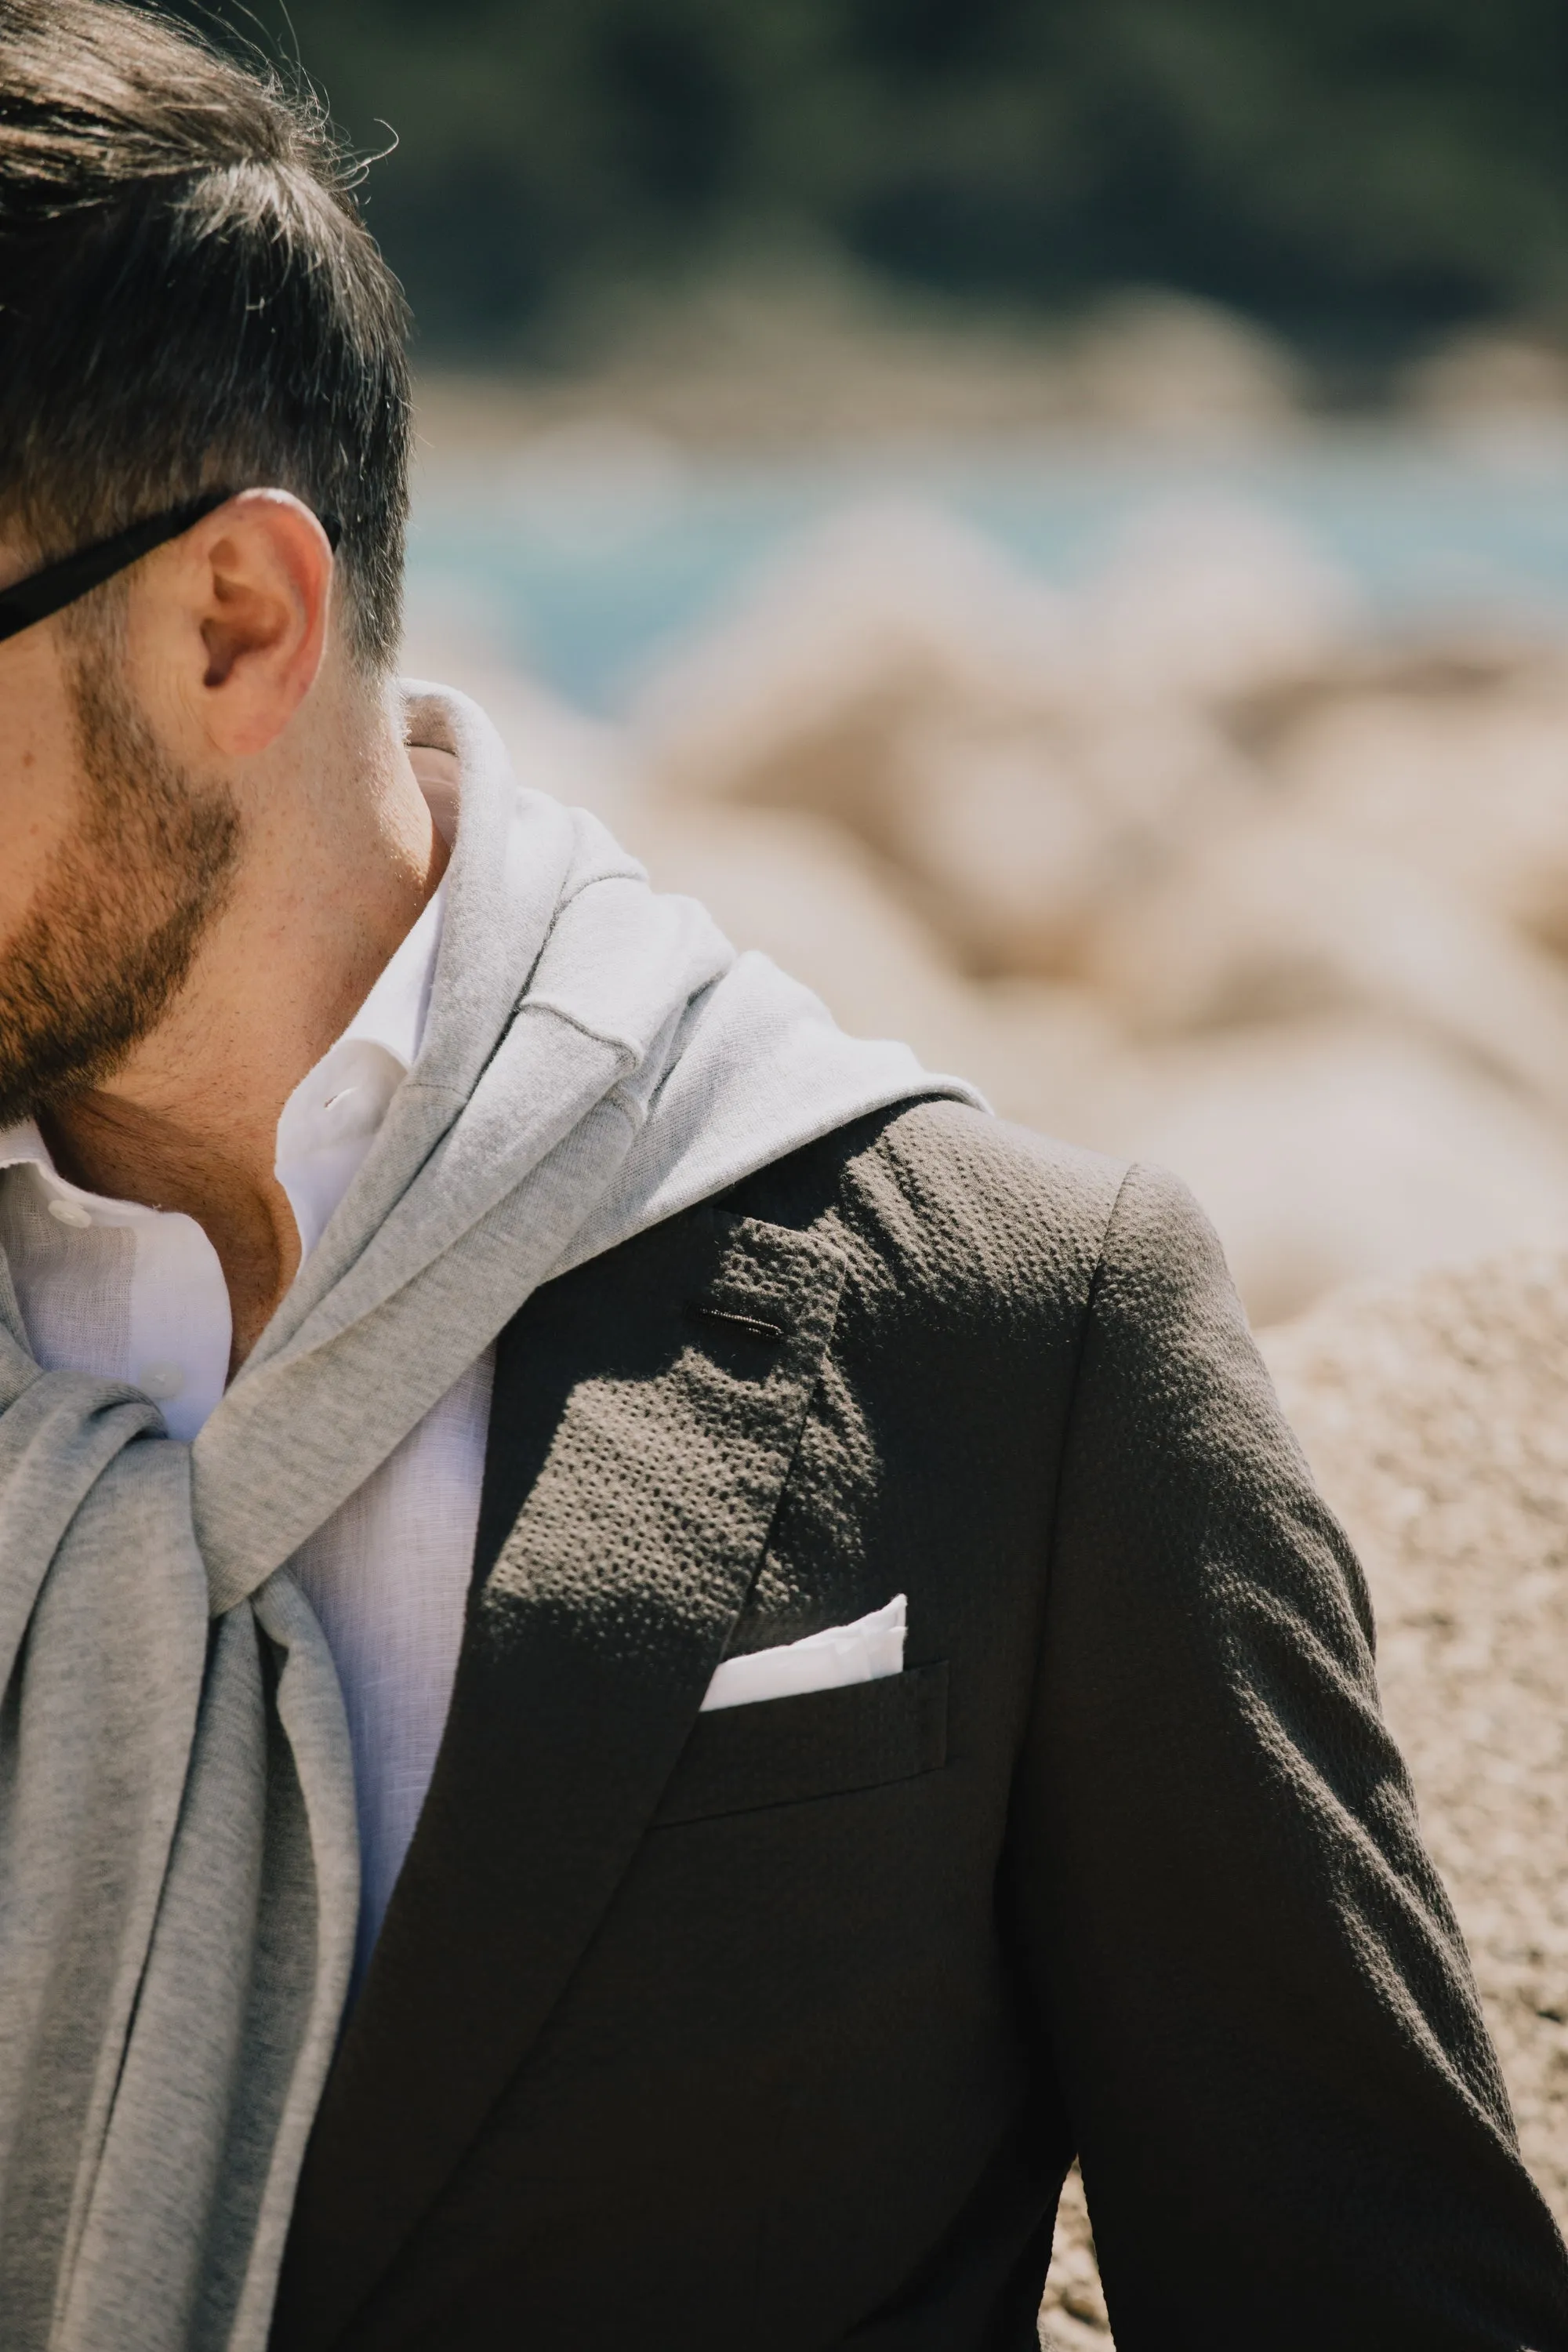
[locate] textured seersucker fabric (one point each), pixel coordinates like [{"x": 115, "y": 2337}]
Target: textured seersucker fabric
[{"x": 178, "y": 1865}]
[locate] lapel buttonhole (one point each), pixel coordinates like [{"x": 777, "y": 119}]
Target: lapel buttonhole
[{"x": 758, "y": 1325}]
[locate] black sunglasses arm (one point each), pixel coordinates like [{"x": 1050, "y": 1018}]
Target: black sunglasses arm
[{"x": 44, "y": 593}]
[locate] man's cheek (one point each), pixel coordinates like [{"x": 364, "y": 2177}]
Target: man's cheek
[{"x": 37, "y": 789}]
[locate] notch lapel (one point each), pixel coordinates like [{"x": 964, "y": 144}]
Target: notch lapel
[{"x": 646, "y": 1411}]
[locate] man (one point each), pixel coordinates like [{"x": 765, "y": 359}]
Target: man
[{"x": 649, "y": 1665}]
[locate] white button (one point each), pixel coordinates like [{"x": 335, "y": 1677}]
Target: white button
[
  {"x": 162, "y": 1380},
  {"x": 68, "y": 1213}
]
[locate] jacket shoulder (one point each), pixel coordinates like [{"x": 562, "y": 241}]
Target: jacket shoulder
[{"x": 937, "y": 1203}]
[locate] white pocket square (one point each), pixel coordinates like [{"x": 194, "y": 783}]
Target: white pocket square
[{"x": 862, "y": 1653}]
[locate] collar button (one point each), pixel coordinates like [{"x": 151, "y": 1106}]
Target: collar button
[{"x": 68, "y": 1213}]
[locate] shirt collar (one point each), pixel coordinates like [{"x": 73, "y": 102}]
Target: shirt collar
[
  {"x": 393, "y": 1015},
  {"x": 24, "y": 1144}
]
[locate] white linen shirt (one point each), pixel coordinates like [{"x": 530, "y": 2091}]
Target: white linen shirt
[{"x": 137, "y": 1293}]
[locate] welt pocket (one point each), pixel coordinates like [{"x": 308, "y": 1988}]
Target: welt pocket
[{"x": 783, "y": 1752}]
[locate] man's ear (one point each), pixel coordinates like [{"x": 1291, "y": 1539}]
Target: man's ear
[{"x": 243, "y": 617}]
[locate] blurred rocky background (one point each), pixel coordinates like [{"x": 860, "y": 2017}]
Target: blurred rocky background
[
  {"x": 1194, "y": 857},
  {"x": 1051, "y": 516}
]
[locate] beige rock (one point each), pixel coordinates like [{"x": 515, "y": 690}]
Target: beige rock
[
  {"x": 1470, "y": 786},
  {"x": 805, "y": 893},
  {"x": 1073, "y": 2316},
  {"x": 1495, "y": 387},
  {"x": 1335, "y": 1150},
  {"x": 1016, "y": 840},
  {"x": 789, "y": 350},
  {"x": 1004, "y": 751},
  {"x": 887, "y": 617},
  {"x": 1277, "y": 918},
  {"x": 1208, "y": 599},
  {"x": 1327, "y": 1150},
  {"x": 1170, "y": 367},
  {"x": 994, "y": 836}
]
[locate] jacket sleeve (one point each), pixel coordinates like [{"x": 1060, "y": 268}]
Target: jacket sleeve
[{"x": 1292, "y": 2127}]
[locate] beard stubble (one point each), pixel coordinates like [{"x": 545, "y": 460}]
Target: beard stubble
[{"x": 114, "y": 927}]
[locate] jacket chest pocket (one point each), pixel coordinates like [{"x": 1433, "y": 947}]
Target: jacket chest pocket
[{"x": 786, "y": 1751}]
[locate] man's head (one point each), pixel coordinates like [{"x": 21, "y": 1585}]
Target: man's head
[{"x": 189, "y": 304}]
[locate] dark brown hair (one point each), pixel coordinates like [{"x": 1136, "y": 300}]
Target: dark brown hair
[{"x": 189, "y": 298}]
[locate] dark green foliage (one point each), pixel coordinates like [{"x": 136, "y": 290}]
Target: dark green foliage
[{"x": 1353, "y": 170}]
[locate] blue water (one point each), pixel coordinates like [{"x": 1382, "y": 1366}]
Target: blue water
[{"x": 587, "y": 576}]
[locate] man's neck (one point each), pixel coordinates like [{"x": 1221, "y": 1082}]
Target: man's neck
[{"x": 331, "y": 882}]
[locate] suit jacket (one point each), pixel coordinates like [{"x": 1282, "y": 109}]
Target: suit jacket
[{"x": 777, "y": 2028}]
